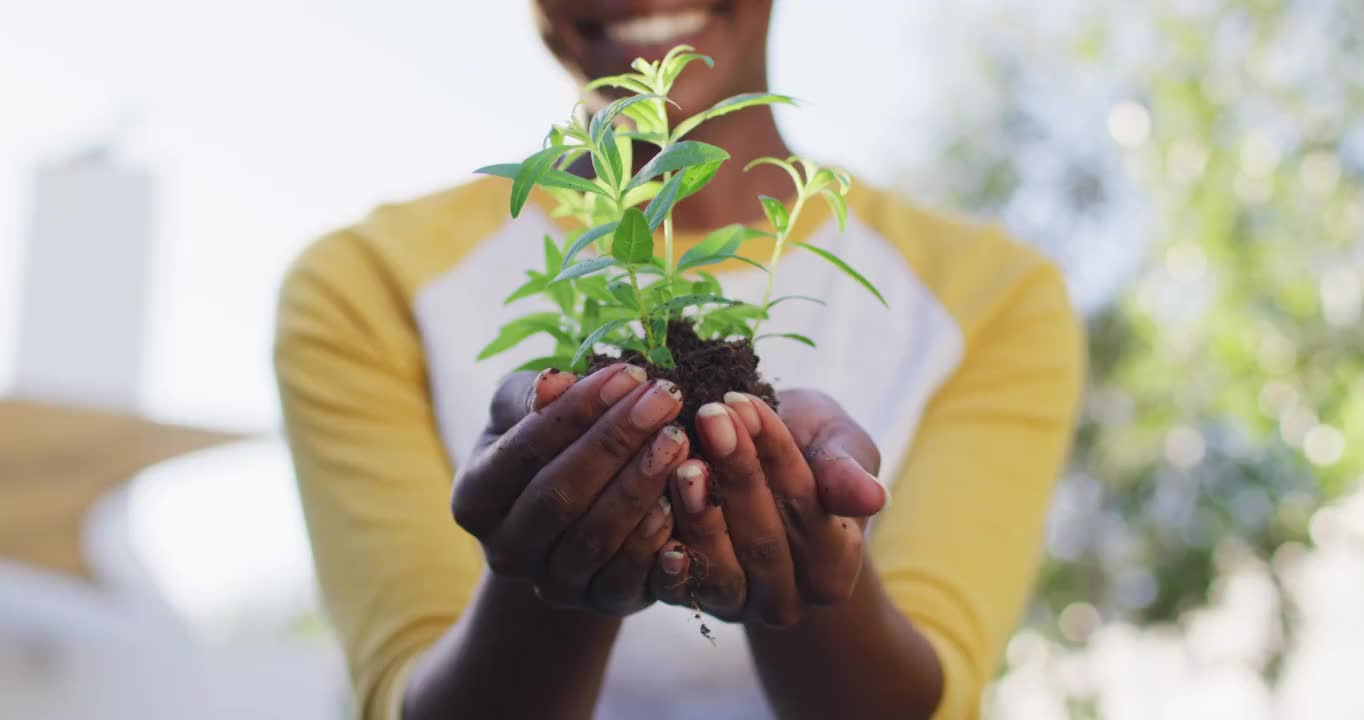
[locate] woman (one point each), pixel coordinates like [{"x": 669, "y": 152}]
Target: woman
[{"x": 967, "y": 387}]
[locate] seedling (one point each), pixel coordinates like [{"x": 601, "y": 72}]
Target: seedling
[{"x": 610, "y": 282}]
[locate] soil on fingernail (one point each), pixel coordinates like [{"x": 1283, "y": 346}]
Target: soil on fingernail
[{"x": 705, "y": 370}]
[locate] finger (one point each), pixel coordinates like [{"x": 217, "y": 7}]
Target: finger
[
  {"x": 622, "y": 587},
  {"x": 755, "y": 526},
  {"x": 826, "y": 549},
  {"x": 717, "y": 579},
  {"x": 496, "y": 475},
  {"x": 547, "y": 388},
  {"x": 841, "y": 454},
  {"x": 670, "y": 579},
  {"x": 742, "y": 405},
  {"x": 596, "y": 537},
  {"x": 844, "y": 487},
  {"x": 567, "y": 486}
]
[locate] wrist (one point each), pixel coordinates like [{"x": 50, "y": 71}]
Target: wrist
[{"x": 515, "y": 601}]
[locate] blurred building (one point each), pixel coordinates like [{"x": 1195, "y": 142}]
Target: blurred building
[
  {"x": 83, "y": 307},
  {"x": 72, "y": 431}
]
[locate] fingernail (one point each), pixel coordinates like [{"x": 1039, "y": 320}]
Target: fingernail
[
  {"x": 629, "y": 378},
  {"x": 691, "y": 486},
  {"x": 657, "y": 403},
  {"x": 663, "y": 451},
  {"x": 533, "y": 399},
  {"x": 743, "y": 407},
  {"x": 717, "y": 429},
  {"x": 653, "y": 522},
  {"x": 673, "y": 562}
]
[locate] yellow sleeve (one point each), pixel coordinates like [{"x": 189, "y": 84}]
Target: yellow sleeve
[
  {"x": 395, "y": 570},
  {"x": 959, "y": 546}
]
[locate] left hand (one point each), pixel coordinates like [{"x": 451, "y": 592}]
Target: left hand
[{"x": 787, "y": 533}]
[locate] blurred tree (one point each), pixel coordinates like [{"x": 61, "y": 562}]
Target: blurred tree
[{"x": 1207, "y": 156}]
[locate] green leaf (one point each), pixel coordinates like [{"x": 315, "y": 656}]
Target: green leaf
[
  {"x": 644, "y": 67},
  {"x": 562, "y": 294},
  {"x": 822, "y": 178},
  {"x": 847, "y": 270},
  {"x": 607, "y": 162},
  {"x": 697, "y": 177},
  {"x": 602, "y": 121},
  {"x": 776, "y": 213},
  {"x": 591, "y": 341},
  {"x": 727, "y": 106},
  {"x": 553, "y": 259},
  {"x": 618, "y": 312},
  {"x": 784, "y": 298},
  {"x": 586, "y": 267},
  {"x": 708, "y": 284},
  {"x": 534, "y": 286},
  {"x": 624, "y": 293},
  {"x": 676, "y": 61},
  {"x": 514, "y": 332},
  {"x": 603, "y": 211},
  {"x": 550, "y": 178},
  {"x": 633, "y": 242},
  {"x": 724, "y": 241},
  {"x": 686, "y": 301},
  {"x": 784, "y": 165},
  {"x": 662, "y": 357},
  {"x": 663, "y": 204},
  {"x": 532, "y": 170},
  {"x": 625, "y": 148},
  {"x": 591, "y": 315},
  {"x": 838, "y": 205},
  {"x": 656, "y": 294},
  {"x": 789, "y": 336},
  {"x": 645, "y": 192},
  {"x": 740, "y": 311},
  {"x": 676, "y": 157},
  {"x": 650, "y": 123},
  {"x": 594, "y": 287},
  {"x": 718, "y": 258},
  {"x": 583, "y": 241},
  {"x": 629, "y": 81}
]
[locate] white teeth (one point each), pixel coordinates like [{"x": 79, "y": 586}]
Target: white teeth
[{"x": 656, "y": 29}]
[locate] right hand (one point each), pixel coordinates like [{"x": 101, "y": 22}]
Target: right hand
[{"x": 566, "y": 487}]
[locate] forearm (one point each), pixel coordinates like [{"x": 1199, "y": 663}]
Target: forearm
[
  {"x": 514, "y": 657},
  {"x": 859, "y": 659}
]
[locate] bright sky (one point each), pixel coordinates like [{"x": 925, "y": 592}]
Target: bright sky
[{"x": 268, "y": 122}]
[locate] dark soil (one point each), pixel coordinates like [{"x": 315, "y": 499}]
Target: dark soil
[{"x": 705, "y": 370}]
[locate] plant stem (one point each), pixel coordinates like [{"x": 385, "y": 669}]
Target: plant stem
[
  {"x": 776, "y": 255},
  {"x": 668, "y": 263}
]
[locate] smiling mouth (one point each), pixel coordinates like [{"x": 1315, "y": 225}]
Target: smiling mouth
[{"x": 651, "y": 31}]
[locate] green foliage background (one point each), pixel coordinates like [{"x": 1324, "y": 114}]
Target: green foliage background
[{"x": 1207, "y": 158}]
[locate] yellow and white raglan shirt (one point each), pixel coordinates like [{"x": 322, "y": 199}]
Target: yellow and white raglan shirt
[{"x": 969, "y": 384}]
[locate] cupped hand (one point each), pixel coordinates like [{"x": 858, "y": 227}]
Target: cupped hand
[
  {"x": 771, "y": 523},
  {"x": 566, "y": 487}
]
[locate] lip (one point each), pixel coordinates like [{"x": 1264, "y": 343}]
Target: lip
[{"x": 593, "y": 31}]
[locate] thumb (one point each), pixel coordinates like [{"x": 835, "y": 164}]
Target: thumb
[
  {"x": 523, "y": 393},
  {"x": 845, "y": 485}
]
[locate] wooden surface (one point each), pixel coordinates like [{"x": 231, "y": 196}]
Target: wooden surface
[{"x": 56, "y": 462}]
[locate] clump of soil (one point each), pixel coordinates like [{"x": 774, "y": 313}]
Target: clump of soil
[{"x": 705, "y": 370}]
